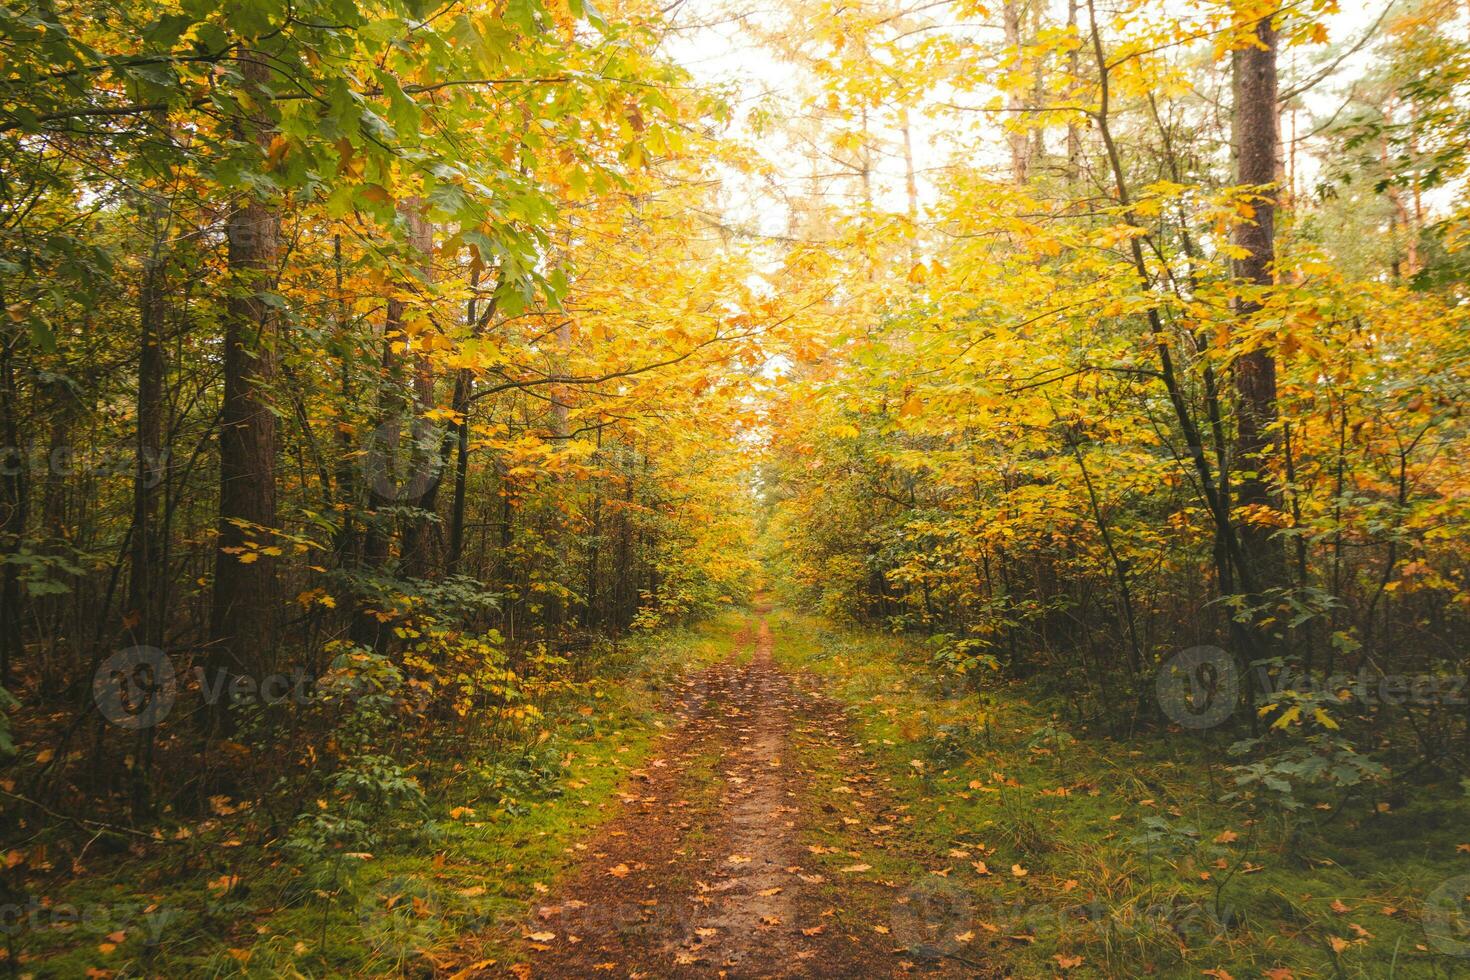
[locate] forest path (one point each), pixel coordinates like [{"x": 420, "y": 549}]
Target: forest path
[{"x": 710, "y": 869}]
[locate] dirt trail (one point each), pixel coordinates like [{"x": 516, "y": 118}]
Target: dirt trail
[{"x": 705, "y": 873}]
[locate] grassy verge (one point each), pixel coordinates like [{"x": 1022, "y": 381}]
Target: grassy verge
[
  {"x": 1116, "y": 858},
  {"x": 217, "y": 900}
]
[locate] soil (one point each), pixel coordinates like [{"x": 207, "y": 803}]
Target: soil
[{"x": 709, "y": 871}]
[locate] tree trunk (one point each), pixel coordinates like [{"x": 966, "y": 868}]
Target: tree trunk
[
  {"x": 145, "y": 580},
  {"x": 425, "y": 452},
  {"x": 1255, "y": 143},
  {"x": 242, "y": 613},
  {"x": 15, "y": 500},
  {"x": 1020, "y": 143}
]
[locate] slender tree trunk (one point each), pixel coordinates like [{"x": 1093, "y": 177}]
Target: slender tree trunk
[
  {"x": 1020, "y": 143},
  {"x": 1255, "y": 134},
  {"x": 1074, "y": 137},
  {"x": 347, "y": 492},
  {"x": 459, "y": 403},
  {"x": 242, "y": 615},
  {"x": 146, "y": 580},
  {"x": 910, "y": 185},
  {"x": 16, "y": 500},
  {"x": 425, "y": 453},
  {"x": 397, "y": 475}
]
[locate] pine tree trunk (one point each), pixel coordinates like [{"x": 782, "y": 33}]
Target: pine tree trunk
[{"x": 1255, "y": 145}]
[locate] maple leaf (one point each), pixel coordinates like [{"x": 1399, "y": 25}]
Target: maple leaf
[
  {"x": 618, "y": 871},
  {"x": 1067, "y": 962}
]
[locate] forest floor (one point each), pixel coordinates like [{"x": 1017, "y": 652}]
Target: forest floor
[
  {"x": 714, "y": 868},
  {"x": 765, "y": 794}
]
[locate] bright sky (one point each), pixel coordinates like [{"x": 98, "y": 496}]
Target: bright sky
[{"x": 712, "y": 40}]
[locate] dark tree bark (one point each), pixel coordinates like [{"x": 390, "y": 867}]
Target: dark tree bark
[
  {"x": 145, "y": 580},
  {"x": 1254, "y": 140},
  {"x": 16, "y": 503},
  {"x": 242, "y": 615}
]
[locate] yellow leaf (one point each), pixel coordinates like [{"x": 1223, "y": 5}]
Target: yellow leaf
[{"x": 1288, "y": 717}]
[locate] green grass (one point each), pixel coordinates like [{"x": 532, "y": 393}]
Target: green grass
[
  {"x": 990, "y": 774},
  {"x": 436, "y": 893}
]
